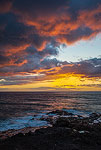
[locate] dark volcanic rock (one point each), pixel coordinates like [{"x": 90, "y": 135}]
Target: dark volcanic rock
[
  {"x": 67, "y": 133},
  {"x": 53, "y": 138},
  {"x": 60, "y": 112}
]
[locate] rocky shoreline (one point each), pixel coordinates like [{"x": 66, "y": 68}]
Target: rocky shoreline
[{"x": 66, "y": 131}]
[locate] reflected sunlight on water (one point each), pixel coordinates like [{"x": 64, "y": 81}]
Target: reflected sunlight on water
[{"x": 20, "y": 104}]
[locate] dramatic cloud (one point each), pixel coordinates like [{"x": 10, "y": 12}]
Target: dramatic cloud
[
  {"x": 61, "y": 19},
  {"x": 31, "y": 33},
  {"x": 5, "y": 5},
  {"x": 91, "y": 67},
  {"x": 37, "y": 23},
  {"x": 88, "y": 68},
  {"x": 39, "y": 68},
  {"x": 30, "y": 59}
]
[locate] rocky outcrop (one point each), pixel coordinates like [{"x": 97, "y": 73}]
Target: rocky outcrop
[{"x": 67, "y": 132}]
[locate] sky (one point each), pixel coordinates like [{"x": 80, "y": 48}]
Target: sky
[{"x": 50, "y": 45}]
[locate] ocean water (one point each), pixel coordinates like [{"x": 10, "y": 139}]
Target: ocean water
[{"x": 18, "y": 108}]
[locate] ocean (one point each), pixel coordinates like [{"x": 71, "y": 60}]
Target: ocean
[{"x": 17, "y": 109}]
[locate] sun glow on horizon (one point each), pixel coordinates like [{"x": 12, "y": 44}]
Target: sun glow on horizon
[{"x": 60, "y": 82}]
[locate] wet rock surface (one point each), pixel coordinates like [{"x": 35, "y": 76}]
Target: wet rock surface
[{"x": 67, "y": 132}]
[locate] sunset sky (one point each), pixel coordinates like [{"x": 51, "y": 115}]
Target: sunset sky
[{"x": 50, "y": 45}]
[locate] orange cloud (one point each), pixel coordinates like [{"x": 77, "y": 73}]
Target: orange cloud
[
  {"x": 5, "y": 6},
  {"x": 65, "y": 29},
  {"x": 14, "y": 49},
  {"x": 32, "y": 31},
  {"x": 91, "y": 18}
]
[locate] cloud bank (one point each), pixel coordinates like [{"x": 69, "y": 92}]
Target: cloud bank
[{"x": 31, "y": 33}]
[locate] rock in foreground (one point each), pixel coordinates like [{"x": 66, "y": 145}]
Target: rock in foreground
[{"x": 68, "y": 132}]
